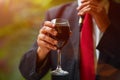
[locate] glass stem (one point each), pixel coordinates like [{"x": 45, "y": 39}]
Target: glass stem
[{"x": 59, "y": 59}]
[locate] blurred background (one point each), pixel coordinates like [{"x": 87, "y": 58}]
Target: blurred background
[{"x": 19, "y": 25}]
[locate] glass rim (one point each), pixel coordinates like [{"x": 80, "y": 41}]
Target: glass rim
[{"x": 60, "y": 21}]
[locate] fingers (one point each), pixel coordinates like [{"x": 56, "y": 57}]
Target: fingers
[
  {"x": 97, "y": 10},
  {"x": 86, "y": 3},
  {"x": 48, "y": 28},
  {"x": 45, "y": 38},
  {"x": 87, "y": 7},
  {"x": 49, "y": 24},
  {"x": 46, "y": 41}
]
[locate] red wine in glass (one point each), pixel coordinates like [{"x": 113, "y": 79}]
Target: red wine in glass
[
  {"x": 63, "y": 29},
  {"x": 62, "y": 36}
]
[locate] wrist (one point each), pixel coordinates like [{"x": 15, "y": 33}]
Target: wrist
[{"x": 42, "y": 53}]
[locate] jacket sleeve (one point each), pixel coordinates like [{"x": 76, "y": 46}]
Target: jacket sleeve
[{"x": 29, "y": 67}]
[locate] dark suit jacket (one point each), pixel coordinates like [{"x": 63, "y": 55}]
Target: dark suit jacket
[{"x": 109, "y": 47}]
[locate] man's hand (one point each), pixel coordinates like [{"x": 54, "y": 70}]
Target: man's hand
[
  {"x": 44, "y": 41},
  {"x": 97, "y": 11}
]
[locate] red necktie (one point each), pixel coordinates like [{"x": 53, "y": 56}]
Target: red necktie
[{"x": 87, "y": 71}]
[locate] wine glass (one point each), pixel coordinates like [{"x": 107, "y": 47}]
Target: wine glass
[{"x": 63, "y": 28}]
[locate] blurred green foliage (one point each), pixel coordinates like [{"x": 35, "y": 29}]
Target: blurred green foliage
[{"x": 19, "y": 25}]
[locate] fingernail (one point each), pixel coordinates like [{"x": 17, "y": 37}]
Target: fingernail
[
  {"x": 54, "y": 48},
  {"x": 55, "y": 33},
  {"x": 77, "y": 8},
  {"x": 55, "y": 42},
  {"x": 53, "y": 25},
  {"x": 80, "y": 13}
]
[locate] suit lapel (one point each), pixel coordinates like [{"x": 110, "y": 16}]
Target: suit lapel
[{"x": 74, "y": 39}]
